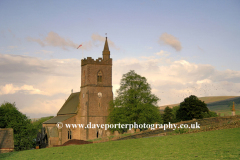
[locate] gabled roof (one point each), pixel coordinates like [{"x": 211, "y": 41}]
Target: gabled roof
[
  {"x": 71, "y": 105},
  {"x": 57, "y": 119}
]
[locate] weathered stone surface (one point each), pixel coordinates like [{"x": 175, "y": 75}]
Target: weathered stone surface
[
  {"x": 131, "y": 131},
  {"x": 108, "y": 133},
  {"x": 6, "y": 140},
  {"x": 206, "y": 124},
  {"x": 116, "y": 133},
  {"x": 92, "y": 105}
]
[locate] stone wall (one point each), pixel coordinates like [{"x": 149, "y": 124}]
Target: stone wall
[
  {"x": 206, "y": 122},
  {"x": 6, "y": 140},
  {"x": 212, "y": 120}
]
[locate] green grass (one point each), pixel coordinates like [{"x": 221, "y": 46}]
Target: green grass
[
  {"x": 226, "y": 101},
  {"x": 220, "y": 144},
  {"x": 211, "y": 101},
  {"x": 227, "y": 113},
  {"x": 225, "y": 109}
]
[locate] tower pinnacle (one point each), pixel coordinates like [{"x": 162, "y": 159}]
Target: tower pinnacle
[
  {"x": 106, "y": 45},
  {"x": 106, "y": 52}
]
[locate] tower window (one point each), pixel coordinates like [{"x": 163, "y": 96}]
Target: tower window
[
  {"x": 99, "y": 76},
  {"x": 69, "y": 134}
]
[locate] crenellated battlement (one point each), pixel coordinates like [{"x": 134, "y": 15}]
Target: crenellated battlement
[{"x": 100, "y": 61}]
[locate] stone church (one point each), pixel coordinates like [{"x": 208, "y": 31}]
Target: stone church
[{"x": 91, "y": 104}]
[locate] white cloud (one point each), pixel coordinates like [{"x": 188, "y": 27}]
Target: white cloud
[
  {"x": 45, "y": 75},
  {"x": 42, "y": 106},
  {"x": 163, "y": 53},
  {"x": 53, "y": 39},
  {"x": 44, "y": 52},
  {"x": 204, "y": 81},
  {"x": 7, "y": 89},
  {"x": 148, "y": 47},
  {"x": 101, "y": 39},
  {"x": 168, "y": 39},
  {"x": 52, "y": 80},
  {"x": 10, "y": 89},
  {"x": 174, "y": 81},
  {"x": 12, "y": 47}
]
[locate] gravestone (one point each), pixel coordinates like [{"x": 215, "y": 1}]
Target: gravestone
[
  {"x": 6, "y": 140},
  {"x": 130, "y": 131},
  {"x": 116, "y": 133},
  {"x": 108, "y": 133}
]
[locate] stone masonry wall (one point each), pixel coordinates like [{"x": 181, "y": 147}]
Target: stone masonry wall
[{"x": 6, "y": 140}]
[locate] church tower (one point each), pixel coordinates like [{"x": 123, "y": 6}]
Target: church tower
[
  {"x": 96, "y": 93},
  {"x": 90, "y": 105}
]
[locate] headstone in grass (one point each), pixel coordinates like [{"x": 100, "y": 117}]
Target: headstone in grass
[
  {"x": 108, "y": 133},
  {"x": 116, "y": 133},
  {"x": 6, "y": 140},
  {"x": 131, "y": 131}
]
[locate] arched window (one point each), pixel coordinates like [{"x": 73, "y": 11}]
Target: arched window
[
  {"x": 99, "y": 76},
  {"x": 69, "y": 134}
]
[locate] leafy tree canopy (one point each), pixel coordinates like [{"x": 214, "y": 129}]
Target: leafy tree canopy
[
  {"x": 209, "y": 114},
  {"x": 134, "y": 103},
  {"x": 175, "y": 109},
  {"x": 191, "y": 108},
  {"x": 168, "y": 115},
  {"x": 24, "y": 132},
  {"x": 38, "y": 123}
]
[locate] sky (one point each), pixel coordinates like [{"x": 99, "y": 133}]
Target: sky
[{"x": 182, "y": 47}]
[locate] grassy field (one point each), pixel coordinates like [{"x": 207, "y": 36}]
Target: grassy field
[
  {"x": 224, "y": 106},
  {"x": 219, "y": 104},
  {"x": 225, "y": 110},
  {"x": 212, "y": 99},
  {"x": 219, "y": 144}
]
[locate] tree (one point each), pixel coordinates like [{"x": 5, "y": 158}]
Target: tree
[
  {"x": 134, "y": 103},
  {"x": 191, "y": 108},
  {"x": 38, "y": 123},
  {"x": 24, "y": 131},
  {"x": 175, "y": 109},
  {"x": 209, "y": 114},
  {"x": 168, "y": 115}
]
